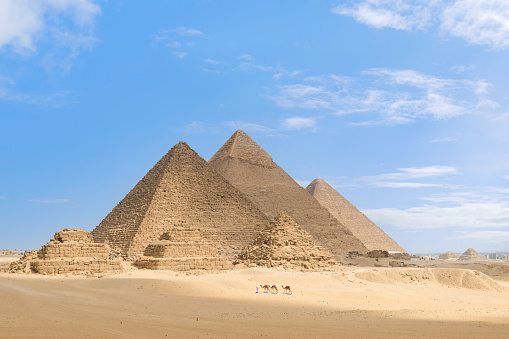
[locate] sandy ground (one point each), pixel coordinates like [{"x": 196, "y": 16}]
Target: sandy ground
[{"x": 346, "y": 303}]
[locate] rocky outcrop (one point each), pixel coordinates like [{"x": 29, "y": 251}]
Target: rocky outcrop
[{"x": 285, "y": 243}]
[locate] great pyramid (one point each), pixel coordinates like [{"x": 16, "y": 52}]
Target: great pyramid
[
  {"x": 181, "y": 186},
  {"x": 285, "y": 243},
  {"x": 372, "y": 236},
  {"x": 471, "y": 255},
  {"x": 250, "y": 169},
  {"x": 182, "y": 248}
]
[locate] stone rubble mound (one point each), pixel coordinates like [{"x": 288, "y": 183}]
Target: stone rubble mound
[
  {"x": 285, "y": 243},
  {"x": 70, "y": 251},
  {"x": 182, "y": 248},
  {"x": 449, "y": 256},
  {"x": 471, "y": 255}
]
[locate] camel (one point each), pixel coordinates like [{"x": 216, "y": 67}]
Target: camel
[
  {"x": 266, "y": 288},
  {"x": 273, "y": 288},
  {"x": 286, "y": 289}
]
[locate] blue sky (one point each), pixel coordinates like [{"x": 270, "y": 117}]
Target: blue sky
[{"x": 402, "y": 106}]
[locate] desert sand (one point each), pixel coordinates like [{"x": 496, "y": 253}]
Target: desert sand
[{"x": 346, "y": 302}]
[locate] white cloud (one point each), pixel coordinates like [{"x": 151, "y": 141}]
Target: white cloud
[
  {"x": 488, "y": 236},
  {"x": 298, "y": 123},
  {"x": 466, "y": 215},
  {"x": 246, "y": 56},
  {"x": 481, "y": 22},
  {"x": 183, "y": 31},
  {"x": 390, "y": 97},
  {"x": 7, "y": 92},
  {"x": 462, "y": 68},
  {"x": 213, "y": 62},
  {"x": 24, "y": 23},
  {"x": 179, "y": 54},
  {"x": 506, "y": 177},
  {"x": 50, "y": 201}
]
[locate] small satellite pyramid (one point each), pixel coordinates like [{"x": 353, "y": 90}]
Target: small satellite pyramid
[
  {"x": 471, "y": 255},
  {"x": 372, "y": 236},
  {"x": 252, "y": 171},
  {"x": 182, "y": 186}
]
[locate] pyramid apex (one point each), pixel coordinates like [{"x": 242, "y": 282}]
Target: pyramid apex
[{"x": 241, "y": 146}]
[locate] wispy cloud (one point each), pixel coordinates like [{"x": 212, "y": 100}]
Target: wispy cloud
[
  {"x": 50, "y": 201},
  {"x": 415, "y": 173},
  {"x": 213, "y": 62},
  {"x": 462, "y": 68},
  {"x": 467, "y": 215},
  {"x": 9, "y": 93},
  {"x": 24, "y": 23},
  {"x": 249, "y": 126},
  {"x": 487, "y": 236},
  {"x": 385, "y": 96},
  {"x": 480, "y": 22},
  {"x": 441, "y": 140},
  {"x": 177, "y": 38},
  {"x": 298, "y": 123},
  {"x": 394, "y": 184}
]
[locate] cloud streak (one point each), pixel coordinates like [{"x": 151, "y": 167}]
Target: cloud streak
[
  {"x": 479, "y": 22},
  {"x": 385, "y": 96}
]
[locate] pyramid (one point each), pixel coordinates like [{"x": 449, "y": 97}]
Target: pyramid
[
  {"x": 471, "y": 255},
  {"x": 182, "y": 248},
  {"x": 285, "y": 243},
  {"x": 181, "y": 186},
  {"x": 251, "y": 169},
  {"x": 70, "y": 250},
  {"x": 449, "y": 256},
  {"x": 372, "y": 236}
]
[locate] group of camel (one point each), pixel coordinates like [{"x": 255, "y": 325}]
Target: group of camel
[{"x": 273, "y": 289}]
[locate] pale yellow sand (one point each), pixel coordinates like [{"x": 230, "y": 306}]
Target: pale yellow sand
[{"x": 385, "y": 303}]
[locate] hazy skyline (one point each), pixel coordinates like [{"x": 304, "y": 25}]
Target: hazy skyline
[{"x": 402, "y": 106}]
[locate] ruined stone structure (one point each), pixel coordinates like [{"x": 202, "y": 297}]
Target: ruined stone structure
[
  {"x": 372, "y": 236},
  {"x": 285, "y": 243},
  {"x": 182, "y": 249},
  {"x": 449, "y": 256},
  {"x": 471, "y": 255},
  {"x": 70, "y": 250},
  {"x": 181, "y": 186},
  {"x": 250, "y": 169}
]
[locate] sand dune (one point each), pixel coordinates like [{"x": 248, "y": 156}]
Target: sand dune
[{"x": 346, "y": 302}]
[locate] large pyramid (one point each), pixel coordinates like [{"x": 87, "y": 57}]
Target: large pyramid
[
  {"x": 182, "y": 186},
  {"x": 370, "y": 234},
  {"x": 250, "y": 169}
]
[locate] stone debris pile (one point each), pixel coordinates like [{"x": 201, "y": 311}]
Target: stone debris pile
[
  {"x": 471, "y": 255},
  {"x": 285, "y": 243},
  {"x": 182, "y": 248},
  {"x": 70, "y": 250},
  {"x": 449, "y": 256}
]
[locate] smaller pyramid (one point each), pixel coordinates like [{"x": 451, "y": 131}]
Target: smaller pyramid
[
  {"x": 70, "y": 251},
  {"x": 449, "y": 256},
  {"x": 372, "y": 236},
  {"x": 182, "y": 248},
  {"x": 471, "y": 255},
  {"x": 285, "y": 243}
]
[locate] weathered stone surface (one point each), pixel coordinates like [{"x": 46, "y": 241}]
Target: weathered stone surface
[
  {"x": 449, "y": 256},
  {"x": 285, "y": 243},
  {"x": 471, "y": 255},
  {"x": 181, "y": 186},
  {"x": 372, "y": 236},
  {"x": 182, "y": 248},
  {"x": 251, "y": 169},
  {"x": 70, "y": 250}
]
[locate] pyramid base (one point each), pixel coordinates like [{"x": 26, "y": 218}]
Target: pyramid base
[
  {"x": 72, "y": 265},
  {"x": 184, "y": 264}
]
